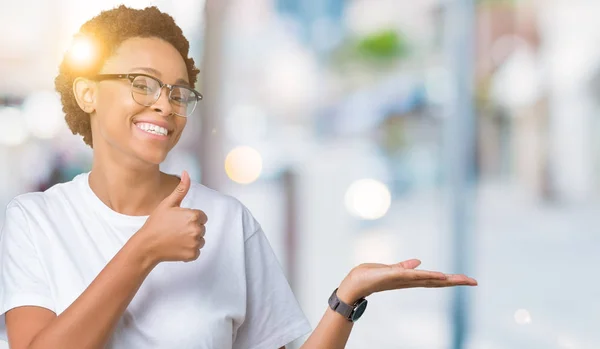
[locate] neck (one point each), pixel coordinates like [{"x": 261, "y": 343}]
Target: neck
[{"x": 128, "y": 187}]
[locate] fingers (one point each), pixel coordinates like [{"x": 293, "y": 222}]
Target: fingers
[
  {"x": 410, "y": 264},
  {"x": 451, "y": 281},
  {"x": 198, "y": 216},
  {"x": 407, "y": 271},
  {"x": 201, "y": 243},
  {"x": 461, "y": 279},
  {"x": 197, "y": 220},
  {"x": 177, "y": 196},
  {"x": 413, "y": 274},
  {"x": 201, "y": 232},
  {"x": 192, "y": 256},
  {"x": 198, "y": 242}
]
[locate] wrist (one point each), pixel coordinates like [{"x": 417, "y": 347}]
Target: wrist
[
  {"x": 347, "y": 293},
  {"x": 141, "y": 253},
  {"x": 347, "y": 303}
]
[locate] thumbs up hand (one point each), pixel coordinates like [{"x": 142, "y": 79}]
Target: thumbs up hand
[{"x": 172, "y": 233}]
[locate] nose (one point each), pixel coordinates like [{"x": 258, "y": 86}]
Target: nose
[{"x": 162, "y": 104}]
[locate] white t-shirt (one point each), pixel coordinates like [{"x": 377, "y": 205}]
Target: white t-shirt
[{"x": 53, "y": 244}]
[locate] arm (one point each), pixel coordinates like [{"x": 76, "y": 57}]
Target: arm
[
  {"x": 171, "y": 233},
  {"x": 90, "y": 320},
  {"x": 334, "y": 330}
]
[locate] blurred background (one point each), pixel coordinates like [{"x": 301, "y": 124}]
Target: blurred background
[{"x": 463, "y": 133}]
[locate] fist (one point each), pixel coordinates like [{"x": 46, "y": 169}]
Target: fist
[{"x": 173, "y": 233}]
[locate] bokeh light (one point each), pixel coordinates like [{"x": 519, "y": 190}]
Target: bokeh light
[
  {"x": 243, "y": 165},
  {"x": 368, "y": 199},
  {"x": 522, "y": 317},
  {"x": 14, "y": 131},
  {"x": 43, "y": 115}
]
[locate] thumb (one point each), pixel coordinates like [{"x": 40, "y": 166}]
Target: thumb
[
  {"x": 410, "y": 264},
  {"x": 180, "y": 191}
]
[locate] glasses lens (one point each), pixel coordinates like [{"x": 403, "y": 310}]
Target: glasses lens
[
  {"x": 145, "y": 90},
  {"x": 183, "y": 100}
]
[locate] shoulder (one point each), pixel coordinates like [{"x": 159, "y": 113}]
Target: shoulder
[
  {"x": 35, "y": 201},
  {"x": 221, "y": 207},
  {"x": 200, "y": 194}
]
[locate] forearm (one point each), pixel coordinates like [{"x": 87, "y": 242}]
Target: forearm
[
  {"x": 91, "y": 319},
  {"x": 333, "y": 330}
]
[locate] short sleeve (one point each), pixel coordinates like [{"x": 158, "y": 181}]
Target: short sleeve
[
  {"x": 22, "y": 278},
  {"x": 273, "y": 315}
]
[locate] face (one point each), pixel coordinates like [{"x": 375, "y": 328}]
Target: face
[{"x": 120, "y": 123}]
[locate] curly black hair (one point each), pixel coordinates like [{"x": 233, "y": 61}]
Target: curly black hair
[{"x": 106, "y": 32}]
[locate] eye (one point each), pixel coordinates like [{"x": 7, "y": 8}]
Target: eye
[
  {"x": 180, "y": 95},
  {"x": 141, "y": 86},
  {"x": 144, "y": 85}
]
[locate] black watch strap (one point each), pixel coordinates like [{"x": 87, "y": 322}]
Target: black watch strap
[{"x": 346, "y": 310}]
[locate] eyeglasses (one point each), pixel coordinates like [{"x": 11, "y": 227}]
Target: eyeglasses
[{"x": 146, "y": 90}]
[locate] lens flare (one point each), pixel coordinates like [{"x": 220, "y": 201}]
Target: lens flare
[{"x": 82, "y": 52}]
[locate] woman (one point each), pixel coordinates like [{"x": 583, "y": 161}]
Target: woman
[{"x": 85, "y": 264}]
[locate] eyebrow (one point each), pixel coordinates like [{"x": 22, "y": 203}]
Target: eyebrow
[{"x": 157, "y": 74}]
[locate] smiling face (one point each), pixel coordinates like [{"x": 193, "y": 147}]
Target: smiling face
[{"x": 119, "y": 123}]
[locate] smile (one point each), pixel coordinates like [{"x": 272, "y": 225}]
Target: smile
[{"x": 153, "y": 129}]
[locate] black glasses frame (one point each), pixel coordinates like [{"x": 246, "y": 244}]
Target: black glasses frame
[{"x": 131, "y": 77}]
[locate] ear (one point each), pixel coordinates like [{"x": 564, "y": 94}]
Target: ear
[{"x": 85, "y": 94}]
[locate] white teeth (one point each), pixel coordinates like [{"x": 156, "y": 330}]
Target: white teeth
[{"x": 151, "y": 128}]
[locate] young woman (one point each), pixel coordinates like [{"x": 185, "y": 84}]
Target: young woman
[{"x": 96, "y": 262}]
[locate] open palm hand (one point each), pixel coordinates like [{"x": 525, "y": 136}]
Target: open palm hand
[{"x": 370, "y": 278}]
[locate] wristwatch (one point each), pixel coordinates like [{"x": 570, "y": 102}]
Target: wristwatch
[{"x": 351, "y": 312}]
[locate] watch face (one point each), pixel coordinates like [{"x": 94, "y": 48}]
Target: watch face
[{"x": 360, "y": 309}]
